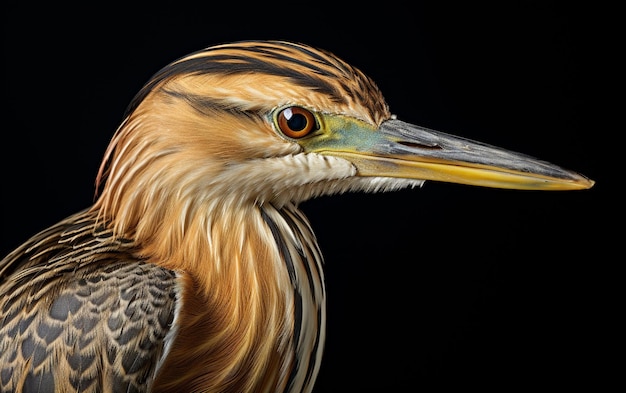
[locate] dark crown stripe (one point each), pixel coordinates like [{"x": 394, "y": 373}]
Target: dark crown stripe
[{"x": 309, "y": 69}]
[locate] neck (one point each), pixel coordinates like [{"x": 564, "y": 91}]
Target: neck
[{"x": 253, "y": 283}]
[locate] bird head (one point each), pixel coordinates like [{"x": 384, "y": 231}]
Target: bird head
[{"x": 259, "y": 122}]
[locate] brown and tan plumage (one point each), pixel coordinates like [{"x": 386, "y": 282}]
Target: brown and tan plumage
[{"x": 194, "y": 270}]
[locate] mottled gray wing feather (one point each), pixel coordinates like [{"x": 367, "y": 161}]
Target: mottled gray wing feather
[{"x": 80, "y": 312}]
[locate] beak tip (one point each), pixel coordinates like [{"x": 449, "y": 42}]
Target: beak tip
[
  {"x": 573, "y": 181},
  {"x": 581, "y": 182},
  {"x": 588, "y": 184}
]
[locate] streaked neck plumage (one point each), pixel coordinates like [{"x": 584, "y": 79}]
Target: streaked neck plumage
[{"x": 251, "y": 273}]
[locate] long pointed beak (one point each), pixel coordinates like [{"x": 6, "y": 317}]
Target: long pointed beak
[{"x": 399, "y": 149}]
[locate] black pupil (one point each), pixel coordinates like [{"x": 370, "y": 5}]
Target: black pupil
[{"x": 297, "y": 122}]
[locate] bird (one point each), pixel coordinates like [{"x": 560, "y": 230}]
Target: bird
[{"x": 195, "y": 270}]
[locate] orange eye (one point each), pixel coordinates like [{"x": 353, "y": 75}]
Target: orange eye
[{"x": 296, "y": 122}]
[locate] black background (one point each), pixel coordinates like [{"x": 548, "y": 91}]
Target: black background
[{"x": 446, "y": 286}]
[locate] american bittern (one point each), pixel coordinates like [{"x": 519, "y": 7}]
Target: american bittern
[{"x": 194, "y": 270}]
